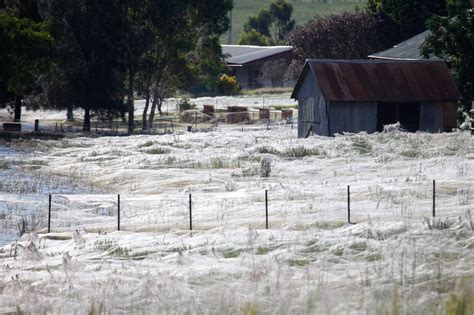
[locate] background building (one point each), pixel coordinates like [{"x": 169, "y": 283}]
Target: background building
[
  {"x": 246, "y": 63},
  {"x": 407, "y": 50}
]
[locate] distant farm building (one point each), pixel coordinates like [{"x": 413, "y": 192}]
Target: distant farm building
[
  {"x": 407, "y": 50},
  {"x": 246, "y": 62},
  {"x": 337, "y": 96}
]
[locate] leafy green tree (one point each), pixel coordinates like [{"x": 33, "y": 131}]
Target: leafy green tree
[
  {"x": 253, "y": 37},
  {"x": 259, "y": 23},
  {"x": 270, "y": 25},
  {"x": 108, "y": 50},
  {"x": 281, "y": 22},
  {"x": 138, "y": 20},
  {"x": 87, "y": 67},
  {"x": 206, "y": 64},
  {"x": 452, "y": 38},
  {"x": 24, "y": 55},
  {"x": 183, "y": 47},
  {"x": 410, "y": 15},
  {"x": 24, "y": 9}
]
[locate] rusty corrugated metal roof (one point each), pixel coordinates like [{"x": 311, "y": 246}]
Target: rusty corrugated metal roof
[{"x": 383, "y": 80}]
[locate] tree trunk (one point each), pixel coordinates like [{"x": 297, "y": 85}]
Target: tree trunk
[
  {"x": 145, "y": 110},
  {"x": 160, "y": 103},
  {"x": 70, "y": 113},
  {"x": 130, "y": 104},
  {"x": 152, "y": 110},
  {"x": 87, "y": 120},
  {"x": 123, "y": 117},
  {"x": 17, "y": 116},
  {"x": 123, "y": 110}
]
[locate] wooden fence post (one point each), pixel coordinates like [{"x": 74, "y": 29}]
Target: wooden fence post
[
  {"x": 49, "y": 214},
  {"x": 348, "y": 204},
  {"x": 266, "y": 209},
  {"x": 118, "y": 212},
  {"x": 190, "y": 214},
  {"x": 434, "y": 198}
]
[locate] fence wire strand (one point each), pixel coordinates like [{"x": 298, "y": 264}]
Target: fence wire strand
[{"x": 286, "y": 209}]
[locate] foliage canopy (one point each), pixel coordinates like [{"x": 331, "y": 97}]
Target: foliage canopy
[
  {"x": 269, "y": 26},
  {"x": 452, "y": 38}
]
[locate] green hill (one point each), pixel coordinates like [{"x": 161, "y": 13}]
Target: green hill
[{"x": 303, "y": 11}]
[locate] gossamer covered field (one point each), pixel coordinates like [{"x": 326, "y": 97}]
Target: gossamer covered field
[{"x": 395, "y": 259}]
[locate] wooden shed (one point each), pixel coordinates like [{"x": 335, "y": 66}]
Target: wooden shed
[{"x": 336, "y": 96}]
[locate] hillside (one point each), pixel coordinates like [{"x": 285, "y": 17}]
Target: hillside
[{"x": 304, "y": 10}]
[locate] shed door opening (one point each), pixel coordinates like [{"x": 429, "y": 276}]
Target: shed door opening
[{"x": 408, "y": 114}]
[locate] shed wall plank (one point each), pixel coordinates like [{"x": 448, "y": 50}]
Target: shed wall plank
[{"x": 308, "y": 96}]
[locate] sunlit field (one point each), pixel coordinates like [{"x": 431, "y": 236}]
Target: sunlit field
[{"x": 394, "y": 257}]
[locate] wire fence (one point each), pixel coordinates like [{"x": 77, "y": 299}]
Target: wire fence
[
  {"x": 193, "y": 120},
  {"x": 275, "y": 209}
]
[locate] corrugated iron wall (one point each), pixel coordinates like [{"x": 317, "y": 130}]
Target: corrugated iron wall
[{"x": 352, "y": 117}]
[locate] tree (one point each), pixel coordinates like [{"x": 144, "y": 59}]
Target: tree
[
  {"x": 348, "y": 35},
  {"x": 23, "y": 9},
  {"x": 294, "y": 69},
  {"x": 87, "y": 67},
  {"x": 274, "y": 71},
  {"x": 24, "y": 55},
  {"x": 259, "y": 23},
  {"x": 184, "y": 45},
  {"x": 452, "y": 38},
  {"x": 281, "y": 21},
  {"x": 253, "y": 37},
  {"x": 206, "y": 64},
  {"x": 409, "y": 15},
  {"x": 270, "y": 25},
  {"x": 108, "y": 50},
  {"x": 138, "y": 20}
]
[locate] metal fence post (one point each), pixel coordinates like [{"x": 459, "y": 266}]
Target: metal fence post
[
  {"x": 49, "y": 214},
  {"x": 190, "y": 214},
  {"x": 348, "y": 204},
  {"x": 118, "y": 212},
  {"x": 434, "y": 198},
  {"x": 266, "y": 209}
]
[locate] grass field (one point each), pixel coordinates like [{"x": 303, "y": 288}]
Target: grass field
[
  {"x": 303, "y": 11},
  {"x": 398, "y": 257}
]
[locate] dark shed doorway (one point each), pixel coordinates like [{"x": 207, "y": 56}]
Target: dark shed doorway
[{"x": 408, "y": 114}]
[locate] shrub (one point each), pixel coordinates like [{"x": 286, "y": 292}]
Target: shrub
[
  {"x": 184, "y": 104},
  {"x": 292, "y": 152},
  {"x": 227, "y": 85},
  {"x": 183, "y": 107},
  {"x": 438, "y": 224},
  {"x": 265, "y": 166},
  {"x": 158, "y": 150}
]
